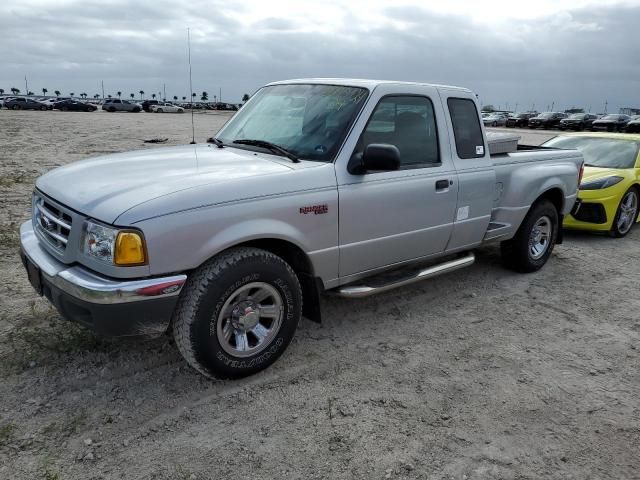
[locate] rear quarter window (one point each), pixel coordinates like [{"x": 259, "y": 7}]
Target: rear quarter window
[{"x": 466, "y": 128}]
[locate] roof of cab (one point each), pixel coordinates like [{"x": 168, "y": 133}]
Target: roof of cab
[{"x": 365, "y": 83}]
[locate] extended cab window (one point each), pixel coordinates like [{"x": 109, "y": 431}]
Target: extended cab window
[
  {"x": 409, "y": 123},
  {"x": 466, "y": 128}
]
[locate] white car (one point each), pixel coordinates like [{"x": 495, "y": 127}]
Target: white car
[{"x": 166, "y": 108}]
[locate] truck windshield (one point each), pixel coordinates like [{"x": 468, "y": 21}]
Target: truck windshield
[
  {"x": 600, "y": 152},
  {"x": 308, "y": 120}
]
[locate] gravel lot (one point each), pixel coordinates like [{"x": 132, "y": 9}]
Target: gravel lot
[{"x": 479, "y": 374}]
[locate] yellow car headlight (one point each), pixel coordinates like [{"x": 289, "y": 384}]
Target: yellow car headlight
[{"x": 129, "y": 249}]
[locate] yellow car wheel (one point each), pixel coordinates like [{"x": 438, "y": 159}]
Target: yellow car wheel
[{"x": 626, "y": 215}]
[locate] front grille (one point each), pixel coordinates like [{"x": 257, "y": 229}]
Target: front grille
[
  {"x": 52, "y": 223},
  {"x": 591, "y": 213}
]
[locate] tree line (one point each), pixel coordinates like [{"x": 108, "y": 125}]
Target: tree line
[{"x": 204, "y": 96}]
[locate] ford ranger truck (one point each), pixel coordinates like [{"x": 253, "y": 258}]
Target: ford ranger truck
[{"x": 314, "y": 186}]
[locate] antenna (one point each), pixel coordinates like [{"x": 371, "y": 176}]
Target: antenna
[{"x": 193, "y": 128}]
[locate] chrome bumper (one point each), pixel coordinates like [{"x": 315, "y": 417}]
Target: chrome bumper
[{"x": 85, "y": 285}]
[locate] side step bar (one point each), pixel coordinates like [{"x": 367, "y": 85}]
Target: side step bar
[{"x": 360, "y": 291}]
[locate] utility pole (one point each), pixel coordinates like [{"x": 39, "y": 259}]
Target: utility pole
[
  {"x": 515, "y": 110},
  {"x": 605, "y": 106},
  {"x": 552, "y": 105},
  {"x": 102, "y": 82},
  {"x": 26, "y": 85},
  {"x": 164, "y": 90},
  {"x": 220, "y": 96}
]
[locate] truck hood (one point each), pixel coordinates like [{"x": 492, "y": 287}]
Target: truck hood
[{"x": 105, "y": 187}]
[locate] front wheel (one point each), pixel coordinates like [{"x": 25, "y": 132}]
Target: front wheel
[
  {"x": 159, "y": 110},
  {"x": 237, "y": 313},
  {"x": 533, "y": 243},
  {"x": 626, "y": 215}
]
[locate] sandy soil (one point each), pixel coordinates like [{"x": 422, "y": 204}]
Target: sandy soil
[{"x": 479, "y": 374}]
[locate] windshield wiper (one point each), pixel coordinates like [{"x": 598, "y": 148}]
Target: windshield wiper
[
  {"x": 269, "y": 146},
  {"x": 217, "y": 141}
]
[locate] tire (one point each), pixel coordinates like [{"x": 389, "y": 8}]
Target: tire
[
  {"x": 494, "y": 124},
  {"x": 111, "y": 109},
  {"x": 518, "y": 253},
  {"x": 199, "y": 321},
  {"x": 136, "y": 110},
  {"x": 43, "y": 108},
  {"x": 629, "y": 207},
  {"x": 159, "y": 110},
  {"x": 89, "y": 109},
  {"x": 65, "y": 109},
  {"x": 16, "y": 107}
]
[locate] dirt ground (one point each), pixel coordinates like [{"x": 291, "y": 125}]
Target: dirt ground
[{"x": 482, "y": 373}]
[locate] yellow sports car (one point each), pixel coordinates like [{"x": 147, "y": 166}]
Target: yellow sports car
[{"x": 610, "y": 188}]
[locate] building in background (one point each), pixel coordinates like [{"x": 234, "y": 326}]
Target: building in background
[{"x": 630, "y": 111}]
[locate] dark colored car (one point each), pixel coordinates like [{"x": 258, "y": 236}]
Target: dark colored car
[
  {"x": 611, "y": 123},
  {"x": 577, "y": 121},
  {"x": 519, "y": 119},
  {"x": 546, "y": 120},
  {"x": 22, "y": 103},
  {"x": 74, "y": 106},
  {"x": 146, "y": 105},
  {"x": 634, "y": 125}
]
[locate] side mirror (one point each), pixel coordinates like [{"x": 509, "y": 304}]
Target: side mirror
[{"x": 376, "y": 157}]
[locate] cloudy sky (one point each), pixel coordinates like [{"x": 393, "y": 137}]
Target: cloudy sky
[{"x": 565, "y": 52}]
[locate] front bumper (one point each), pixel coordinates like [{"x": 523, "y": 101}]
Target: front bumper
[
  {"x": 108, "y": 306},
  {"x": 596, "y": 211}
]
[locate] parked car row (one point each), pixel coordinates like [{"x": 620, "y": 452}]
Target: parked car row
[
  {"x": 109, "y": 105},
  {"x": 562, "y": 121}
]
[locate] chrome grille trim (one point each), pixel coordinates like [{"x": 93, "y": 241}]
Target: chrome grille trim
[
  {"x": 52, "y": 223},
  {"x": 51, "y": 217}
]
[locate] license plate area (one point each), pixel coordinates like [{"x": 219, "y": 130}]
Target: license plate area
[{"x": 33, "y": 273}]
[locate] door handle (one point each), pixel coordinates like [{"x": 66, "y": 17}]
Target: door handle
[{"x": 443, "y": 184}]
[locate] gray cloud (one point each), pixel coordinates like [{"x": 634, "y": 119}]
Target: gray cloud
[{"x": 581, "y": 57}]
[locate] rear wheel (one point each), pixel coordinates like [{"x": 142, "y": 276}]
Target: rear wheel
[
  {"x": 136, "y": 110},
  {"x": 43, "y": 107},
  {"x": 16, "y": 107},
  {"x": 626, "y": 215},
  {"x": 238, "y": 313},
  {"x": 533, "y": 243},
  {"x": 159, "y": 110},
  {"x": 65, "y": 109},
  {"x": 111, "y": 109}
]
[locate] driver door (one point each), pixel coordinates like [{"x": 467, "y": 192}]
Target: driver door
[{"x": 391, "y": 217}]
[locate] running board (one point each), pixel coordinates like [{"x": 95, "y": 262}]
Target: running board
[{"x": 360, "y": 291}]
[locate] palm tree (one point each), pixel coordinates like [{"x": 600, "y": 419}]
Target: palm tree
[
  {"x": 204, "y": 97},
  {"x": 175, "y": 98},
  {"x": 72, "y": 94},
  {"x": 141, "y": 92},
  {"x": 193, "y": 95},
  {"x": 108, "y": 96},
  {"x": 83, "y": 95},
  {"x": 184, "y": 98},
  {"x": 1, "y": 91},
  {"x": 96, "y": 96},
  {"x": 245, "y": 97},
  {"x": 119, "y": 94},
  {"x": 57, "y": 92},
  {"x": 132, "y": 96},
  {"x": 153, "y": 95},
  {"x": 44, "y": 91},
  {"x": 15, "y": 90},
  {"x": 30, "y": 93}
]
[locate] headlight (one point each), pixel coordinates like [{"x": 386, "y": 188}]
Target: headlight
[
  {"x": 601, "y": 183},
  {"x": 113, "y": 246}
]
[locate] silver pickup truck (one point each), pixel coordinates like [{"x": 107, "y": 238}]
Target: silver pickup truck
[{"x": 350, "y": 187}]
